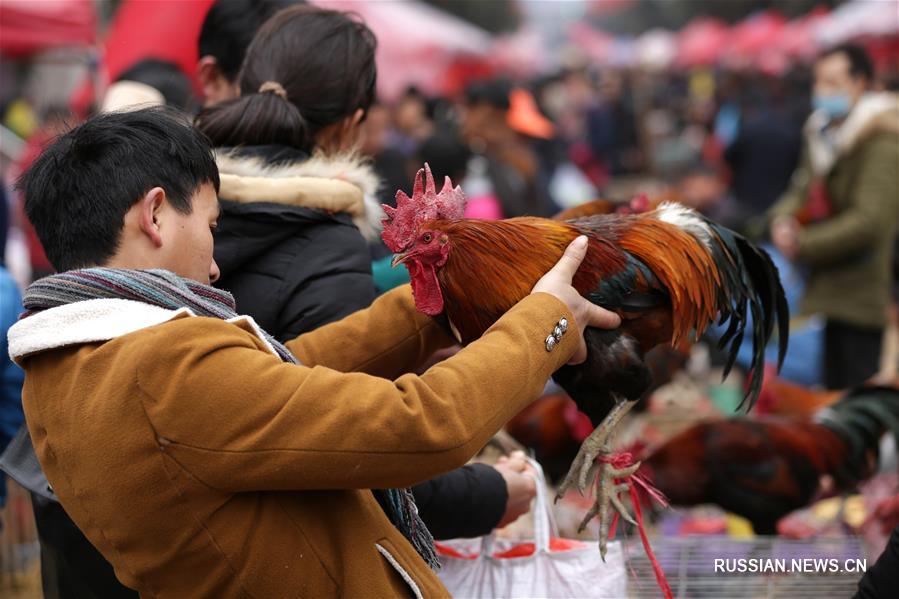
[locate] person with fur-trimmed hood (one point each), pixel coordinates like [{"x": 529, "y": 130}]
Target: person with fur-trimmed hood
[
  {"x": 298, "y": 204},
  {"x": 839, "y": 216}
]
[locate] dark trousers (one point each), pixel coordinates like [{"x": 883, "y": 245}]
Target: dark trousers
[
  {"x": 71, "y": 568},
  {"x": 851, "y": 354},
  {"x": 881, "y": 581}
]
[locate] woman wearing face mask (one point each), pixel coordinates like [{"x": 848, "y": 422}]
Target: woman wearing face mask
[
  {"x": 297, "y": 207},
  {"x": 839, "y": 216}
]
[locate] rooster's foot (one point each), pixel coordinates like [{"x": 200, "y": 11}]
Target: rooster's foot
[{"x": 585, "y": 469}]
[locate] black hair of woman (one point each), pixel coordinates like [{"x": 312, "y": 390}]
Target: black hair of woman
[{"x": 307, "y": 80}]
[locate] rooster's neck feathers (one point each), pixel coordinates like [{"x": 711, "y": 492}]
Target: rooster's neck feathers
[{"x": 493, "y": 264}]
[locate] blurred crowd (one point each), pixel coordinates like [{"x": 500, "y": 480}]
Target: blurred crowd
[{"x": 723, "y": 141}]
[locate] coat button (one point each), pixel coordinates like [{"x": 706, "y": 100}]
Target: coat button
[
  {"x": 563, "y": 324},
  {"x": 550, "y": 343},
  {"x": 557, "y": 333}
]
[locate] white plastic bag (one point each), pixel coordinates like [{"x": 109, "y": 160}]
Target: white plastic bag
[{"x": 547, "y": 567}]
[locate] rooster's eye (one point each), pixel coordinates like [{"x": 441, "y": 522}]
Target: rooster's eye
[{"x": 427, "y": 237}]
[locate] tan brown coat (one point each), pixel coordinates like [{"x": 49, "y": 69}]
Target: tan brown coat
[{"x": 200, "y": 465}]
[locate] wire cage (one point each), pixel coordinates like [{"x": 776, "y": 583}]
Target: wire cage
[{"x": 814, "y": 568}]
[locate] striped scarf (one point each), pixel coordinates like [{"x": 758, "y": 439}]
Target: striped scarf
[{"x": 167, "y": 290}]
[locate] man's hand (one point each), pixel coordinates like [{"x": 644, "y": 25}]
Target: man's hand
[
  {"x": 785, "y": 235},
  {"x": 557, "y": 282},
  {"x": 520, "y": 485}
]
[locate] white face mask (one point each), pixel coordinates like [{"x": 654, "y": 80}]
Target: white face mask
[{"x": 834, "y": 105}]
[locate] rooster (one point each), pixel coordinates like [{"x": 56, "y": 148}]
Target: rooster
[
  {"x": 668, "y": 273},
  {"x": 785, "y": 398},
  {"x": 765, "y": 469}
]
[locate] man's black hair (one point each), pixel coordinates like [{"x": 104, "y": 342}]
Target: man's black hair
[
  {"x": 860, "y": 64},
  {"x": 229, "y": 28},
  {"x": 79, "y": 189}
]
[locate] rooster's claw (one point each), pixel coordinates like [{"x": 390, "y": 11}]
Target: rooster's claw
[{"x": 586, "y": 469}]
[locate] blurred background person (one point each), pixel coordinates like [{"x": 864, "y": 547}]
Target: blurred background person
[
  {"x": 149, "y": 82},
  {"x": 11, "y": 376},
  {"x": 411, "y": 121},
  {"x": 839, "y": 216},
  {"x": 765, "y": 150},
  {"x": 499, "y": 122},
  {"x": 225, "y": 35},
  {"x": 612, "y": 127}
]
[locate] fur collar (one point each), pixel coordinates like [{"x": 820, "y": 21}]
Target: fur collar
[
  {"x": 875, "y": 112},
  {"x": 95, "y": 321},
  {"x": 342, "y": 183}
]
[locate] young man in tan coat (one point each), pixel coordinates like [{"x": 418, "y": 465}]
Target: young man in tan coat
[{"x": 189, "y": 446}]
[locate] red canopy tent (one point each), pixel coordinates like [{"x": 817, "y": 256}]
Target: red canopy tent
[
  {"x": 417, "y": 43},
  {"x": 29, "y": 26},
  {"x": 609, "y": 7},
  {"x": 798, "y": 39},
  {"x": 751, "y": 38},
  {"x": 873, "y": 24},
  {"x": 596, "y": 44},
  {"x": 700, "y": 43},
  {"x": 147, "y": 29},
  {"x": 152, "y": 29}
]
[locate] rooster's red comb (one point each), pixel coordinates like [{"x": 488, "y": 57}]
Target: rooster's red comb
[{"x": 402, "y": 222}]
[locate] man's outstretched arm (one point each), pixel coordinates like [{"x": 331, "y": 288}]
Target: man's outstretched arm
[{"x": 387, "y": 339}]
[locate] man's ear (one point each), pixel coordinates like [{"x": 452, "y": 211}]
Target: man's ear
[
  {"x": 216, "y": 87},
  {"x": 150, "y": 208}
]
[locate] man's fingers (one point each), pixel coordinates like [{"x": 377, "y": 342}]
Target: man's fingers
[
  {"x": 571, "y": 259},
  {"x": 602, "y": 318}
]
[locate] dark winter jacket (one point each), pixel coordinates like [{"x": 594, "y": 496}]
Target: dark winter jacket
[
  {"x": 291, "y": 241},
  {"x": 763, "y": 158},
  {"x": 882, "y": 579}
]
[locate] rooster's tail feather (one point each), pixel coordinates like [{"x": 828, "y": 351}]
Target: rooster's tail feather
[
  {"x": 753, "y": 285},
  {"x": 748, "y": 284}
]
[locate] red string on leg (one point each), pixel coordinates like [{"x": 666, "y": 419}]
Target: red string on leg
[
  {"x": 623, "y": 460},
  {"x": 656, "y": 567}
]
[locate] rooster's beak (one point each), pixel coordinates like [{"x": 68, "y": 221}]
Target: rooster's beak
[{"x": 399, "y": 259}]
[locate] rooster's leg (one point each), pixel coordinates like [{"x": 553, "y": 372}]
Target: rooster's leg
[{"x": 585, "y": 467}]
